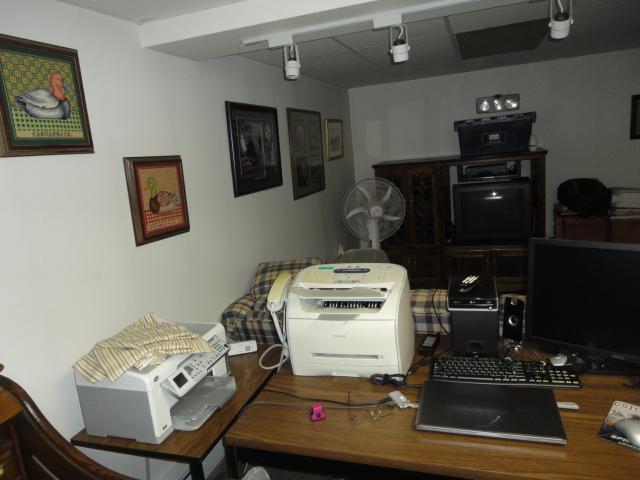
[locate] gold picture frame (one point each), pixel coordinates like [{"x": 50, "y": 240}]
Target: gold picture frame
[{"x": 334, "y": 136}]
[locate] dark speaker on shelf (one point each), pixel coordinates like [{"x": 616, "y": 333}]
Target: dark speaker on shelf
[{"x": 513, "y": 319}]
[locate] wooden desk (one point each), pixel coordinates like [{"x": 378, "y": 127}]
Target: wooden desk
[
  {"x": 193, "y": 447},
  {"x": 396, "y": 450}
]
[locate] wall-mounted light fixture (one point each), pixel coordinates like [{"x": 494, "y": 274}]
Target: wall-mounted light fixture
[
  {"x": 560, "y": 21},
  {"x": 498, "y": 103},
  {"x": 399, "y": 43}
]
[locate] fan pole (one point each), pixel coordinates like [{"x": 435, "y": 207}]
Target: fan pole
[{"x": 374, "y": 235}]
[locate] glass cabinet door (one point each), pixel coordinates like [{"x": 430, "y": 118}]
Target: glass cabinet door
[{"x": 423, "y": 202}]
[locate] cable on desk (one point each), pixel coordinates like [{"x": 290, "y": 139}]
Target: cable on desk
[
  {"x": 337, "y": 402},
  {"x": 433, "y": 307},
  {"x": 398, "y": 379}
]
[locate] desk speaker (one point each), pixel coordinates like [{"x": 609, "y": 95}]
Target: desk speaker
[{"x": 513, "y": 319}]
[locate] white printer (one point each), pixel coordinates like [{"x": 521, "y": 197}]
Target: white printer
[
  {"x": 350, "y": 320},
  {"x": 147, "y": 405}
]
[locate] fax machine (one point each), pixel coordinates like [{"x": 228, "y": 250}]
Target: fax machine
[
  {"x": 350, "y": 320},
  {"x": 147, "y": 405}
]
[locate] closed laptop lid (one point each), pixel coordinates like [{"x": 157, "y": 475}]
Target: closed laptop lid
[{"x": 513, "y": 412}]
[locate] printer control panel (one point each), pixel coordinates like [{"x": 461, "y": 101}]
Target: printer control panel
[{"x": 194, "y": 368}]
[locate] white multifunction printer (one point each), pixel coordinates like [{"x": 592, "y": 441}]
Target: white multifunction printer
[
  {"x": 350, "y": 320},
  {"x": 147, "y": 405}
]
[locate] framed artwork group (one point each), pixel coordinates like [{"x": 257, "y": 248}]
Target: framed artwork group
[
  {"x": 43, "y": 111},
  {"x": 255, "y": 148}
]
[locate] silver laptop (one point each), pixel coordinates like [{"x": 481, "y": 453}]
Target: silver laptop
[{"x": 513, "y": 412}]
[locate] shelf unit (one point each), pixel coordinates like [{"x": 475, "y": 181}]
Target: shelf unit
[{"x": 422, "y": 245}]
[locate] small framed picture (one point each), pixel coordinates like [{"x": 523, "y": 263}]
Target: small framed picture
[
  {"x": 42, "y": 105},
  {"x": 157, "y": 197},
  {"x": 635, "y": 117},
  {"x": 255, "y": 147},
  {"x": 307, "y": 160},
  {"x": 334, "y": 145}
]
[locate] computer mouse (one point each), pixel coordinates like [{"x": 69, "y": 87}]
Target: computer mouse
[
  {"x": 558, "y": 360},
  {"x": 630, "y": 428},
  {"x": 571, "y": 363}
]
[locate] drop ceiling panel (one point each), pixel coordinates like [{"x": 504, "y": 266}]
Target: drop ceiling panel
[
  {"x": 338, "y": 65},
  {"x": 318, "y": 48},
  {"x": 495, "y": 17},
  {"x": 270, "y": 57},
  {"x": 360, "y": 40}
]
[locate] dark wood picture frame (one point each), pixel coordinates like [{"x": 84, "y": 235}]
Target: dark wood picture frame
[
  {"x": 157, "y": 197},
  {"x": 307, "y": 157},
  {"x": 635, "y": 117},
  {"x": 42, "y": 106},
  {"x": 254, "y": 144}
]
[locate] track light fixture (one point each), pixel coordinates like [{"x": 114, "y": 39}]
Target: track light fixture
[
  {"x": 399, "y": 43},
  {"x": 560, "y": 22},
  {"x": 498, "y": 103},
  {"x": 291, "y": 62}
]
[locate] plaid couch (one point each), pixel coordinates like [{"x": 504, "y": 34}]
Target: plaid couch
[{"x": 248, "y": 318}]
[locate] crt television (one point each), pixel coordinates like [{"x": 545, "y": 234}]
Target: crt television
[
  {"x": 583, "y": 299},
  {"x": 492, "y": 211}
]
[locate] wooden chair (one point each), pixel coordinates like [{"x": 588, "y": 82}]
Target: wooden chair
[{"x": 31, "y": 448}]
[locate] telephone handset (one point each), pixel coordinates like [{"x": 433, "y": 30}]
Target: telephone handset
[
  {"x": 278, "y": 292},
  {"x": 275, "y": 302}
]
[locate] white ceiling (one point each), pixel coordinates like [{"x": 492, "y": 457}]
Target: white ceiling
[{"x": 337, "y": 40}]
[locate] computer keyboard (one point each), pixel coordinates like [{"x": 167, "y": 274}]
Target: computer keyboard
[{"x": 501, "y": 372}]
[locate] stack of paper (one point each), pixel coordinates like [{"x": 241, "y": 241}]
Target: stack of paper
[{"x": 625, "y": 202}]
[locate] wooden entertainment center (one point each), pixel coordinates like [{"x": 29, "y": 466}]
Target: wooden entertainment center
[{"x": 422, "y": 244}]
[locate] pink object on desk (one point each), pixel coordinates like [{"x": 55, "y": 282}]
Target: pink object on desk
[{"x": 317, "y": 413}]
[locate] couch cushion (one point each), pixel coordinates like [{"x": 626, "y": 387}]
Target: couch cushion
[
  {"x": 427, "y": 318},
  {"x": 268, "y": 271},
  {"x": 248, "y": 319}
]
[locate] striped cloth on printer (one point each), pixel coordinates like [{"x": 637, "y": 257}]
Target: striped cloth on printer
[{"x": 146, "y": 341}]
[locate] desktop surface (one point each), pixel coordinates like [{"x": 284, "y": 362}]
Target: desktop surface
[{"x": 392, "y": 442}]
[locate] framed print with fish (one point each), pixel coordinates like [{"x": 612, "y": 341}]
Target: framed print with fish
[
  {"x": 42, "y": 105},
  {"x": 157, "y": 197},
  {"x": 255, "y": 147},
  {"x": 305, "y": 143}
]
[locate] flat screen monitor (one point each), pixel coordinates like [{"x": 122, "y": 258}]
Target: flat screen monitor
[
  {"x": 492, "y": 211},
  {"x": 583, "y": 298}
]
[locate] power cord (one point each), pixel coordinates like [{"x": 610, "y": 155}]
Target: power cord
[{"x": 282, "y": 335}]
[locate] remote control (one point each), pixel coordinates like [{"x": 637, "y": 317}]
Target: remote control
[{"x": 468, "y": 283}]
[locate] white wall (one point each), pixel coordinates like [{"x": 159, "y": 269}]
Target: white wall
[
  {"x": 71, "y": 273},
  {"x": 583, "y": 108}
]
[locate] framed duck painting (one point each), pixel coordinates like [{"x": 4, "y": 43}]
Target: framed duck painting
[
  {"x": 157, "y": 197},
  {"x": 42, "y": 105}
]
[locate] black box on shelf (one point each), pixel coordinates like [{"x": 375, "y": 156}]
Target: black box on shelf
[{"x": 491, "y": 135}]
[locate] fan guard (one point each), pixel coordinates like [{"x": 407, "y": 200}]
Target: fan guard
[{"x": 373, "y": 209}]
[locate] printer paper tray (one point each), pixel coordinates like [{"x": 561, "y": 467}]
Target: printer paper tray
[{"x": 199, "y": 404}]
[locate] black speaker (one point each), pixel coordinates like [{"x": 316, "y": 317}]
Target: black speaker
[
  {"x": 513, "y": 319},
  {"x": 474, "y": 316}
]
